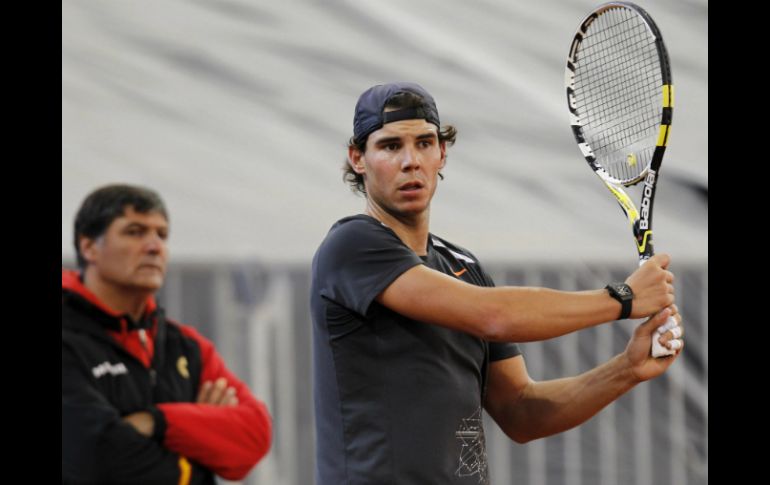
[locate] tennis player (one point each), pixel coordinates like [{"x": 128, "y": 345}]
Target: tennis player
[{"x": 412, "y": 340}]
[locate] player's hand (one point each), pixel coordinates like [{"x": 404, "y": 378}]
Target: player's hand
[
  {"x": 642, "y": 365},
  {"x": 652, "y": 285},
  {"x": 217, "y": 393},
  {"x": 666, "y": 336}
]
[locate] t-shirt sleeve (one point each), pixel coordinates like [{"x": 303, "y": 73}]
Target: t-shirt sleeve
[
  {"x": 503, "y": 350},
  {"x": 358, "y": 260}
]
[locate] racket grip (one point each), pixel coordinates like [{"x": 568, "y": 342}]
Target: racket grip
[{"x": 659, "y": 350}]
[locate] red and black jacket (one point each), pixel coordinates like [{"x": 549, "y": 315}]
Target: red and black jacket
[{"x": 112, "y": 366}]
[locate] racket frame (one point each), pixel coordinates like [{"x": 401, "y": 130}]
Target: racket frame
[{"x": 639, "y": 219}]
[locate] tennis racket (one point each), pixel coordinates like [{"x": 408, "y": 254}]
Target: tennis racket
[{"x": 620, "y": 98}]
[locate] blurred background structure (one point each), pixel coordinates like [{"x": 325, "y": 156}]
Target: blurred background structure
[{"x": 238, "y": 113}]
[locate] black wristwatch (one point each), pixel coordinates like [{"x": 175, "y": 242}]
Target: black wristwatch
[{"x": 622, "y": 292}]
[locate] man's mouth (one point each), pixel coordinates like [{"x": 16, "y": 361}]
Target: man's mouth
[
  {"x": 414, "y": 185},
  {"x": 151, "y": 266}
]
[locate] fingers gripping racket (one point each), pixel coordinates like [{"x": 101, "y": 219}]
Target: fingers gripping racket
[{"x": 620, "y": 99}]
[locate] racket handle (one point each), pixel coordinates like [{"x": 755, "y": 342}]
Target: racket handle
[{"x": 658, "y": 350}]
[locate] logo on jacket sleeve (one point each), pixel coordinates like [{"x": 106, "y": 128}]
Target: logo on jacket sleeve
[
  {"x": 181, "y": 366},
  {"x": 111, "y": 369}
]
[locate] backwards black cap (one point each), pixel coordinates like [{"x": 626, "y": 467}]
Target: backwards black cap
[{"x": 370, "y": 115}]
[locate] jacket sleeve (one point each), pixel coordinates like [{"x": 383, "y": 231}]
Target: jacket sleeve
[
  {"x": 98, "y": 447},
  {"x": 229, "y": 440}
]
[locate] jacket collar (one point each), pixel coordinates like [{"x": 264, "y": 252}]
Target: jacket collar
[{"x": 77, "y": 294}]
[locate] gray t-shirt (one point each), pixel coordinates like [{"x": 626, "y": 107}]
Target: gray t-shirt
[{"x": 397, "y": 401}]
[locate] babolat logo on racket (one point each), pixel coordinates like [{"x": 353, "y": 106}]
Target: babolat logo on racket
[{"x": 649, "y": 185}]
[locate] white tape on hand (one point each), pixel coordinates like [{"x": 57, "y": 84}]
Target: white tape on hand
[
  {"x": 675, "y": 344},
  {"x": 659, "y": 350},
  {"x": 670, "y": 323}
]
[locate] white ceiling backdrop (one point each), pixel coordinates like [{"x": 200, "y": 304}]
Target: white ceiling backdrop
[{"x": 238, "y": 113}]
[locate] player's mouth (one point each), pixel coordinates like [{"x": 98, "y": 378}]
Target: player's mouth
[{"x": 411, "y": 187}]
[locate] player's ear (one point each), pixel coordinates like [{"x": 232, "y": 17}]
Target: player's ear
[
  {"x": 356, "y": 160},
  {"x": 442, "y": 145}
]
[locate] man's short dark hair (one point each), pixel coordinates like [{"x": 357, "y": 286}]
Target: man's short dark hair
[
  {"x": 401, "y": 100},
  {"x": 104, "y": 205}
]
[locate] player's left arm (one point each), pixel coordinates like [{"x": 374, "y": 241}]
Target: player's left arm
[{"x": 527, "y": 410}]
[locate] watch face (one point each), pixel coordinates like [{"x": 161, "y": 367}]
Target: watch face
[{"x": 623, "y": 290}]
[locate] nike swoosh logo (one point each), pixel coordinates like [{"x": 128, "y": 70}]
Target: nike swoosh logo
[{"x": 458, "y": 273}]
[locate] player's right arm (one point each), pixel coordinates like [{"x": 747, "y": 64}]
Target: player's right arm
[{"x": 521, "y": 314}]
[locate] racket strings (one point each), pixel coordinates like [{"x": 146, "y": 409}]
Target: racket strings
[
  {"x": 623, "y": 98},
  {"x": 626, "y": 51},
  {"x": 626, "y": 82},
  {"x": 635, "y": 79},
  {"x": 643, "y": 73},
  {"x": 618, "y": 92}
]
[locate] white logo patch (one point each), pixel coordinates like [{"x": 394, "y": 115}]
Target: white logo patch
[{"x": 107, "y": 368}]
